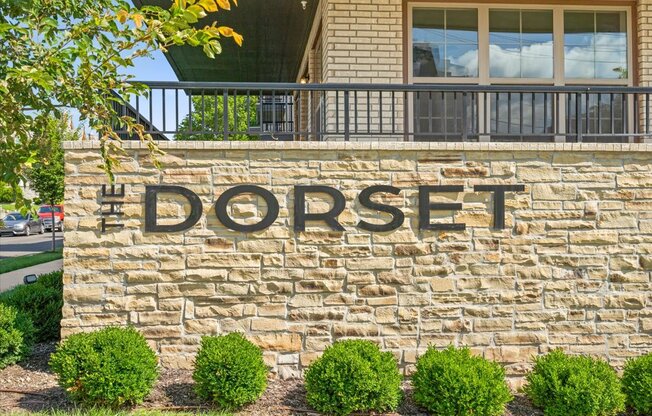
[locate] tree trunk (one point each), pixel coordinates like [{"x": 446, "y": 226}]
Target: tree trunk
[{"x": 54, "y": 245}]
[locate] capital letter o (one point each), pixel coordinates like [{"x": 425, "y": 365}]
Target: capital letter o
[{"x": 225, "y": 219}]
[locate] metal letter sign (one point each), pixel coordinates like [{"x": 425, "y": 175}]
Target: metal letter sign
[
  {"x": 115, "y": 207},
  {"x": 223, "y": 202},
  {"x": 300, "y": 214},
  {"x": 330, "y": 217},
  {"x": 397, "y": 215},
  {"x": 151, "y": 199}
]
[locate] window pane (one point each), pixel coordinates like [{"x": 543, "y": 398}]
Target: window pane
[
  {"x": 445, "y": 43},
  {"x": 462, "y": 26},
  {"x": 521, "y": 114},
  {"x": 428, "y": 42},
  {"x": 595, "y": 44},
  {"x": 611, "y": 45},
  {"x": 520, "y": 44},
  {"x": 504, "y": 26},
  {"x": 428, "y": 25},
  {"x": 427, "y": 60},
  {"x": 444, "y": 116},
  {"x": 536, "y": 50},
  {"x": 461, "y": 60}
]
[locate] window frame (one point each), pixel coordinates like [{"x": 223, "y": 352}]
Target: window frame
[{"x": 484, "y": 77}]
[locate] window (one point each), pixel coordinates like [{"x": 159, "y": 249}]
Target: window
[
  {"x": 520, "y": 43},
  {"x": 595, "y": 45},
  {"x": 452, "y": 43},
  {"x": 445, "y": 43},
  {"x": 502, "y": 44},
  {"x": 14, "y": 217}
]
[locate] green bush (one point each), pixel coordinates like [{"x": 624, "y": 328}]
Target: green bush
[
  {"x": 52, "y": 280},
  {"x": 111, "y": 367},
  {"x": 42, "y": 302},
  {"x": 229, "y": 371},
  {"x": 16, "y": 335},
  {"x": 564, "y": 385},
  {"x": 7, "y": 194},
  {"x": 454, "y": 382},
  {"x": 637, "y": 384},
  {"x": 354, "y": 376}
]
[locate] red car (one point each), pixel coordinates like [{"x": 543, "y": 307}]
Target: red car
[{"x": 45, "y": 214}]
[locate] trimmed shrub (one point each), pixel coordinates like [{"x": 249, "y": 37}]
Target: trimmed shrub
[
  {"x": 111, "y": 367},
  {"x": 52, "y": 280},
  {"x": 454, "y": 382},
  {"x": 230, "y": 371},
  {"x": 564, "y": 385},
  {"x": 42, "y": 302},
  {"x": 354, "y": 376},
  {"x": 637, "y": 384},
  {"x": 16, "y": 336}
]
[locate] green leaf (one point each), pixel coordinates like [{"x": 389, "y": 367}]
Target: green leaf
[{"x": 190, "y": 17}]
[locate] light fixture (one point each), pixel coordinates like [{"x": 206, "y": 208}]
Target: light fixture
[
  {"x": 304, "y": 79},
  {"x": 304, "y": 4}
]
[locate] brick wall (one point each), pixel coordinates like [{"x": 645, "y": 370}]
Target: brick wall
[
  {"x": 643, "y": 29},
  {"x": 571, "y": 270},
  {"x": 362, "y": 42}
]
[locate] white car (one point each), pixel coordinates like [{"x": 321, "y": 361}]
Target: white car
[{"x": 16, "y": 223}]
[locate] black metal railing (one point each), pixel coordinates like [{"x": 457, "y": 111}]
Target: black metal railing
[{"x": 363, "y": 112}]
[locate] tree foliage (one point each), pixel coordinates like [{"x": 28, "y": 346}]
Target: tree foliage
[
  {"x": 207, "y": 120},
  {"x": 58, "y": 54},
  {"x": 8, "y": 194},
  {"x": 46, "y": 175}
]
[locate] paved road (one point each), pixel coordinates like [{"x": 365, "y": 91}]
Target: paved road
[
  {"x": 15, "y": 278},
  {"x": 20, "y": 245}
]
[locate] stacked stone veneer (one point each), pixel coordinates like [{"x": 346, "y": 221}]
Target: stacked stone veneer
[{"x": 571, "y": 270}]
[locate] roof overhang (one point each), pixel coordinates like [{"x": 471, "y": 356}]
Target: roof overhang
[{"x": 275, "y": 37}]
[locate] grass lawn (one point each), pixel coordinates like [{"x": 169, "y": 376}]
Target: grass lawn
[
  {"x": 6, "y": 208},
  {"x": 15, "y": 263}
]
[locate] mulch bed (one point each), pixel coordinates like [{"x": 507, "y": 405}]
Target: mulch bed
[{"x": 30, "y": 386}]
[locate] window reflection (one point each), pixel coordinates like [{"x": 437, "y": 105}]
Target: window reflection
[
  {"x": 517, "y": 114},
  {"x": 440, "y": 116},
  {"x": 520, "y": 44},
  {"x": 595, "y": 44},
  {"x": 445, "y": 42}
]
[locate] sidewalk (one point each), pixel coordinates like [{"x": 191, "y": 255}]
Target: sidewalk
[{"x": 15, "y": 278}]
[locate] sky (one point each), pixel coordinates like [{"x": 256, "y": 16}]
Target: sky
[{"x": 152, "y": 69}]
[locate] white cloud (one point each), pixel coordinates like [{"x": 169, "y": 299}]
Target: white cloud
[{"x": 535, "y": 61}]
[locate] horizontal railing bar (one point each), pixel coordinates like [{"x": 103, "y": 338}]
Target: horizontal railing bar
[{"x": 460, "y": 88}]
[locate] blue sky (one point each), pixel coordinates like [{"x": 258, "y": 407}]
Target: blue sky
[{"x": 156, "y": 69}]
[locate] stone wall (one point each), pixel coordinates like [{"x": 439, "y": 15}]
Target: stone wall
[{"x": 571, "y": 269}]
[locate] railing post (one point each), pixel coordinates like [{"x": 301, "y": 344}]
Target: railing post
[
  {"x": 347, "y": 130},
  {"x": 465, "y": 133},
  {"x": 225, "y": 114},
  {"x": 578, "y": 116}
]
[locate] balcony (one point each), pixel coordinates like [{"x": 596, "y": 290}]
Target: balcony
[{"x": 375, "y": 112}]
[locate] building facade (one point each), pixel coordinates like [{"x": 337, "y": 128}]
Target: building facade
[{"x": 429, "y": 173}]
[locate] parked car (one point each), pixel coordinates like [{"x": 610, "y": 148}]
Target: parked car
[
  {"x": 45, "y": 214},
  {"x": 16, "y": 223}
]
